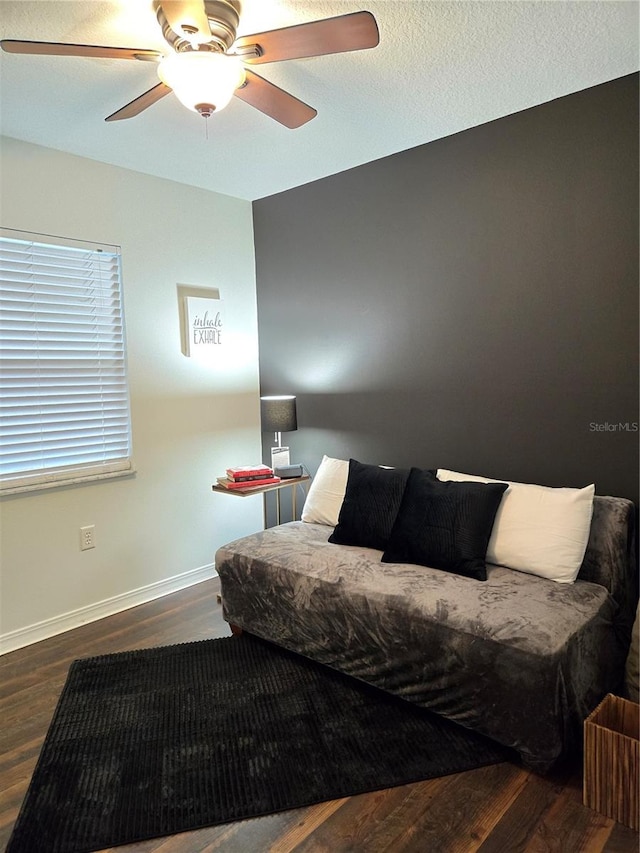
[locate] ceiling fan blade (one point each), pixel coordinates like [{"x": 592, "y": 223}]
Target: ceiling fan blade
[
  {"x": 355, "y": 31},
  {"x": 52, "y": 48},
  {"x": 133, "y": 108},
  {"x": 274, "y": 101},
  {"x": 189, "y": 14}
]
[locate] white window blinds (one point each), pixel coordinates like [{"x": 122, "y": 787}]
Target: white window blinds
[{"x": 64, "y": 401}]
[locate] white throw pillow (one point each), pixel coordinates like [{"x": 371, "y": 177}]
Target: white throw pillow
[
  {"x": 326, "y": 493},
  {"x": 538, "y": 529}
]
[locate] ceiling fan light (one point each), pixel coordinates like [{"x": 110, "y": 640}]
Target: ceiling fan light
[{"x": 202, "y": 80}]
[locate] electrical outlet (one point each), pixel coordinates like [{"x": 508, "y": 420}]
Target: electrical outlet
[{"x": 87, "y": 537}]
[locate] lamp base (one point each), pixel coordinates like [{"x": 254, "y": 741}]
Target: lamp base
[{"x": 279, "y": 457}]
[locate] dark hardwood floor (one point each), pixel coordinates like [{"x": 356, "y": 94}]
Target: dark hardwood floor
[{"x": 499, "y": 809}]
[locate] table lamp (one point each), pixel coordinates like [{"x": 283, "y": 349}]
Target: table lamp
[{"x": 278, "y": 415}]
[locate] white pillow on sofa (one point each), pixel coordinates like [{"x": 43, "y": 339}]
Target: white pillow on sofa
[
  {"x": 326, "y": 493},
  {"x": 538, "y": 529}
]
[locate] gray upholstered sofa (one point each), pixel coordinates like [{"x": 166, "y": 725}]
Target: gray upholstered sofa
[{"x": 519, "y": 658}]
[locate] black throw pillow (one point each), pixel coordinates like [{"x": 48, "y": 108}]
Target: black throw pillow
[
  {"x": 371, "y": 502},
  {"x": 445, "y": 525}
]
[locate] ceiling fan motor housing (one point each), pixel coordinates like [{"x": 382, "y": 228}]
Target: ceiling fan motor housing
[{"x": 223, "y": 17}]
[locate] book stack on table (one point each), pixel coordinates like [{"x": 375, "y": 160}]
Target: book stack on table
[{"x": 248, "y": 477}]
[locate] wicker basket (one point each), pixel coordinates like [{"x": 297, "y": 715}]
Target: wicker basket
[{"x": 612, "y": 760}]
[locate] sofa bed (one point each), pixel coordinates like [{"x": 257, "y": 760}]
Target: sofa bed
[{"x": 505, "y": 607}]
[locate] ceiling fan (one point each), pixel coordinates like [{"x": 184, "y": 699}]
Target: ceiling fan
[{"x": 207, "y": 64}]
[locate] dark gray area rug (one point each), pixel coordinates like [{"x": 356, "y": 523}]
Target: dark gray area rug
[{"x": 159, "y": 741}]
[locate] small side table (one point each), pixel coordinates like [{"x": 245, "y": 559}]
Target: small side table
[{"x": 290, "y": 483}]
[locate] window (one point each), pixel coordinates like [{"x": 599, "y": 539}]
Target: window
[{"x": 64, "y": 400}]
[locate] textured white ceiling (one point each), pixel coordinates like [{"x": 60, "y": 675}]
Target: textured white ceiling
[{"x": 440, "y": 67}]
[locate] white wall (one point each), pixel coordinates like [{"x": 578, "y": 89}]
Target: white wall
[{"x": 158, "y": 530}]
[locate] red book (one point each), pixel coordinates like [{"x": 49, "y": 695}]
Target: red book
[
  {"x": 249, "y": 471},
  {"x": 243, "y": 484},
  {"x": 252, "y": 478}
]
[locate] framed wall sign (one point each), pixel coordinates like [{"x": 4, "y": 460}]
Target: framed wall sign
[{"x": 201, "y": 321}]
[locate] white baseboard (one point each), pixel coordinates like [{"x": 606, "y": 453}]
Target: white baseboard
[{"x": 67, "y": 621}]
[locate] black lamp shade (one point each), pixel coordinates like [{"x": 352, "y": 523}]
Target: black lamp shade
[{"x": 278, "y": 414}]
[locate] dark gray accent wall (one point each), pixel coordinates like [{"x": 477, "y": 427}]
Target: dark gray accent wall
[{"x": 471, "y": 303}]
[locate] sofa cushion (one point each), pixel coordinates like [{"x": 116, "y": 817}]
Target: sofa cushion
[
  {"x": 326, "y": 493},
  {"x": 538, "y": 529},
  {"x": 444, "y": 525},
  {"x": 371, "y": 503}
]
